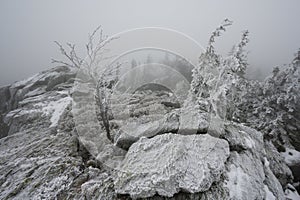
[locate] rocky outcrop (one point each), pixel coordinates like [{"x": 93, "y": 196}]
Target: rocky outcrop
[
  {"x": 248, "y": 173},
  {"x": 24, "y": 104},
  {"x": 43, "y": 155},
  {"x": 37, "y": 159}
]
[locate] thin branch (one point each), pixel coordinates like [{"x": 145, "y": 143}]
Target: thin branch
[{"x": 217, "y": 33}]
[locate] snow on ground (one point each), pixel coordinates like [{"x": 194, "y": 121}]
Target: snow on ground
[
  {"x": 36, "y": 92},
  {"x": 266, "y": 162},
  {"x": 291, "y": 193},
  {"x": 55, "y": 109},
  {"x": 249, "y": 142},
  {"x": 269, "y": 194},
  {"x": 291, "y": 156},
  {"x": 237, "y": 181}
]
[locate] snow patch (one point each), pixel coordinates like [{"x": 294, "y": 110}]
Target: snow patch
[
  {"x": 56, "y": 109},
  {"x": 249, "y": 142},
  {"x": 269, "y": 194},
  {"x": 266, "y": 162},
  {"x": 291, "y": 193},
  {"x": 291, "y": 156},
  {"x": 237, "y": 182},
  {"x": 36, "y": 92}
]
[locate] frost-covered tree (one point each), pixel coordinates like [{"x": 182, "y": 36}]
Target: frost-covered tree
[
  {"x": 281, "y": 92},
  {"x": 235, "y": 85},
  {"x": 205, "y": 73},
  {"x": 240, "y": 56},
  {"x": 272, "y": 106},
  {"x": 101, "y": 77}
]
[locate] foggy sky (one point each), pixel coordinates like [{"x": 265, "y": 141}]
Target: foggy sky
[{"x": 28, "y": 28}]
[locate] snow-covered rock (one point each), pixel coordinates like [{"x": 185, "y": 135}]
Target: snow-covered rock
[
  {"x": 291, "y": 193},
  {"x": 43, "y": 155},
  {"x": 185, "y": 121},
  {"x": 277, "y": 164},
  {"x": 33, "y": 100},
  {"x": 192, "y": 121},
  {"x": 169, "y": 163},
  {"x": 132, "y": 132},
  {"x": 248, "y": 170},
  {"x": 291, "y": 157}
]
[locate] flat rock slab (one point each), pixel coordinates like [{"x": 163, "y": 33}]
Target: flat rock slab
[
  {"x": 169, "y": 163},
  {"x": 132, "y": 132}
]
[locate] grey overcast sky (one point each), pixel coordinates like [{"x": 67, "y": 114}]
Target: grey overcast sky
[{"x": 29, "y": 27}]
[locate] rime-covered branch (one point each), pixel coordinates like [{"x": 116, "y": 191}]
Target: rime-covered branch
[
  {"x": 74, "y": 60},
  {"x": 101, "y": 76},
  {"x": 208, "y": 63},
  {"x": 217, "y": 33},
  {"x": 240, "y": 55}
]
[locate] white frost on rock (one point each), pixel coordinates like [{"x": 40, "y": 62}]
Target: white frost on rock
[
  {"x": 249, "y": 142},
  {"x": 291, "y": 193},
  {"x": 244, "y": 181},
  {"x": 237, "y": 182},
  {"x": 269, "y": 194},
  {"x": 169, "y": 163},
  {"x": 248, "y": 167},
  {"x": 266, "y": 162},
  {"x": 291, "y": 157},
  {"x": 192, "y": 120},
  {"x": 56, "y": 109}
]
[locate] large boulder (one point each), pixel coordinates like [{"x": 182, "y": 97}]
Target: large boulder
[{"x": 169, "y": 163}]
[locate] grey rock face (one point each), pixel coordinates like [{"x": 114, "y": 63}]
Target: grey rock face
[
  {"x": 242, "y": 183},
  {"x": 3, "y": 128},
  {"x": 27, "y": 102},
  {"x": 169, "y": 163},
  {"x": 192, "y": 121},
  {"x": 185, "y": 121},
  {"x": 35, "y": 163},
  {"x": 4, "y": 99},
  {"x": 248, "y": 173},
  {"x": 277, "y": 164}
]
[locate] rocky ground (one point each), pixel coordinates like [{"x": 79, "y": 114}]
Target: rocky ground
[{"x": 159, "y": 150}]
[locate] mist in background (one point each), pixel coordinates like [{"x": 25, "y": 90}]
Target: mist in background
[{"x": 28, "y": 28}]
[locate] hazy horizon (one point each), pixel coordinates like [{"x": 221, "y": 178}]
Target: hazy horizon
[{"x": 28, "y": 28}]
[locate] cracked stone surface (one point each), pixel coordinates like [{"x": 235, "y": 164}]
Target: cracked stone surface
[{"x": 169, "y": 163}]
